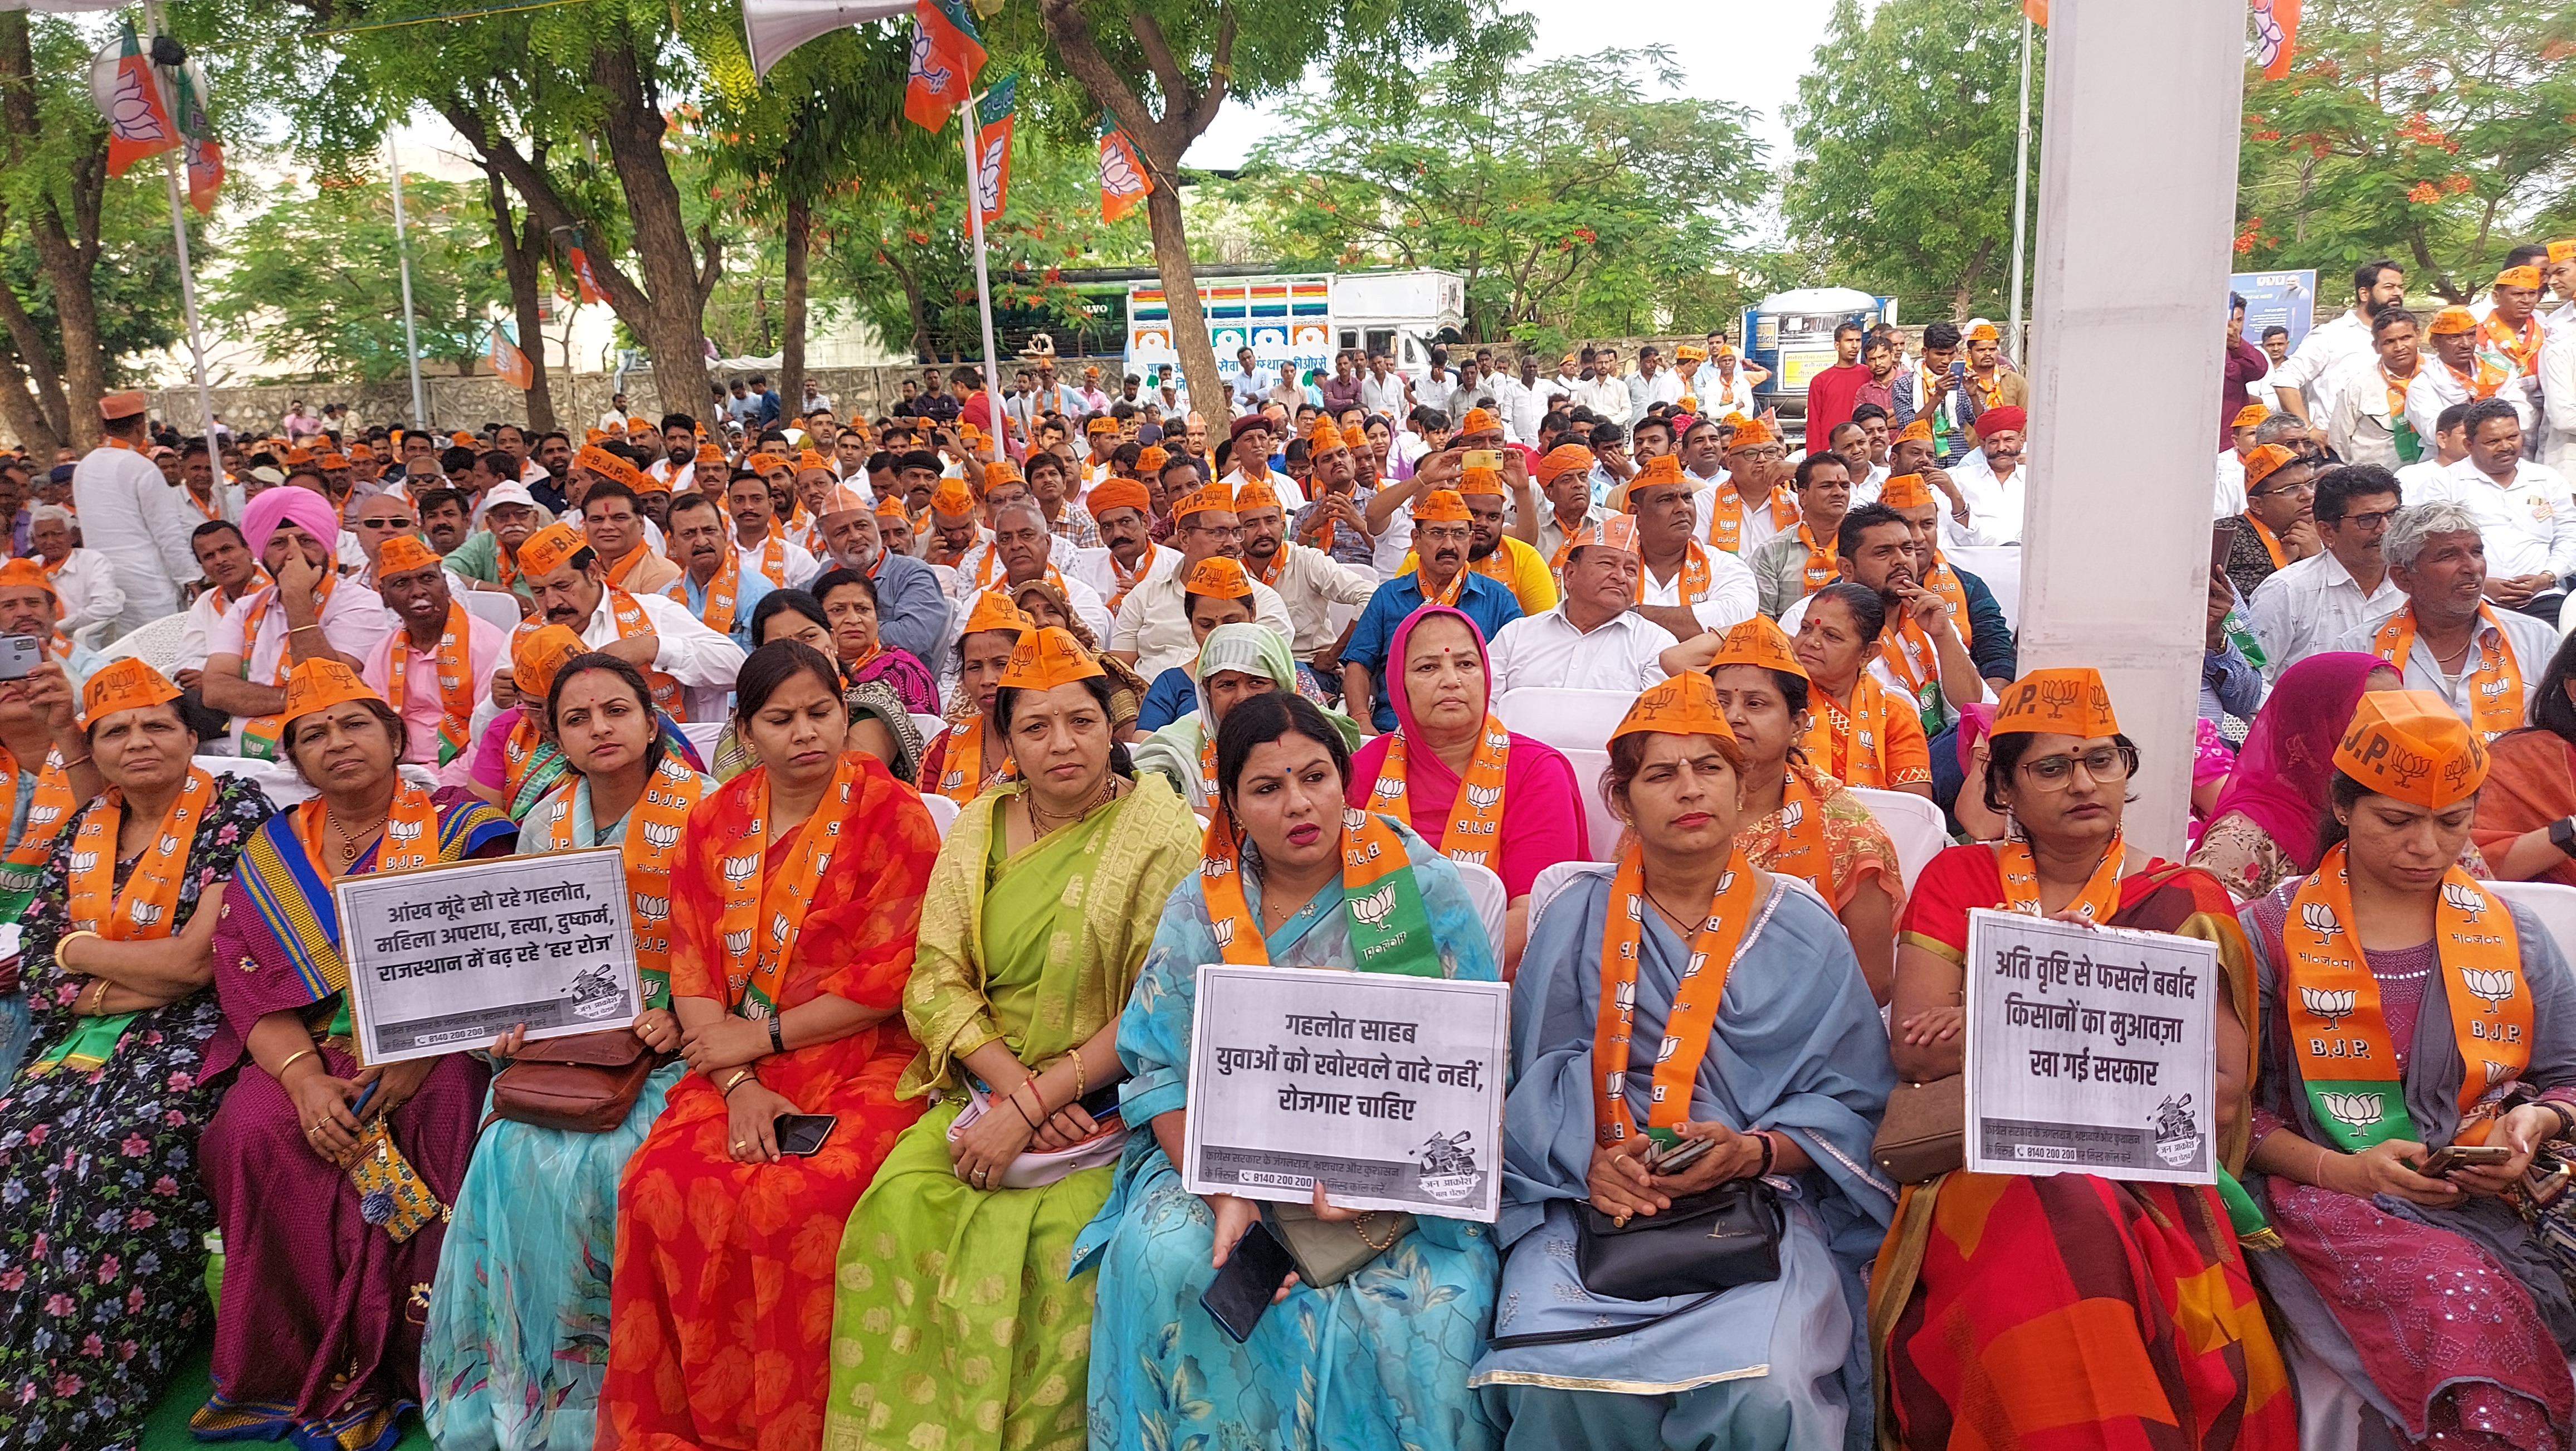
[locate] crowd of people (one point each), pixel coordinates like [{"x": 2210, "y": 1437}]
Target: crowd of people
[{"x": 942, "y": 748}]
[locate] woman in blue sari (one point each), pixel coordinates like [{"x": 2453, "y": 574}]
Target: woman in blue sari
[
  {"x": 1776, "y": 1057},
  {"x": 1378, "y": 1359}
]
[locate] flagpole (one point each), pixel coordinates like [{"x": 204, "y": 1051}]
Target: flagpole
[
  {"x": 966, "y": 116},
  {"x": 179, "y": 236},
  {"x": 402, "y": 260},
  {"x": 2021, "y": 199}
]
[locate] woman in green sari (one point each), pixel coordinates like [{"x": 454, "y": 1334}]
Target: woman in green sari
[{"x": 956, "y": 1309}]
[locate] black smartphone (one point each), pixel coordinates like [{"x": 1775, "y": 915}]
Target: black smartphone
[
  {"x": 1259, "y": 1265},
  {"x": 1102, "y": 1104},
  {"x": 802, "y": 1134}
]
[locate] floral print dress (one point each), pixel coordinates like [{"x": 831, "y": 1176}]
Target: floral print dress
[{"x": 102, "y": 1217}]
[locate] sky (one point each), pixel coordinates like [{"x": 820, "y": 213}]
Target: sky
[{"x": 1750, "y": 52}]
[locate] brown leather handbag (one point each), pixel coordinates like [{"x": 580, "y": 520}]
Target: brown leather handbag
[
  {"x": 1924, "y": 1133},
  {"x": 584, "y": 1084}
]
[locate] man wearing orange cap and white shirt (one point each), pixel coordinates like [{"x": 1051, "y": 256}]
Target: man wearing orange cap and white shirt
[
  {"x": 674, "y": 648},
  {"x": 1990, "y": 483},
  {"x": 2462, "y": 370},
  {"x": 1749, "y": 507},
  {"x": 437, "y": 668},
  {"x": 137, "y": 520},
  {"x": 1123, "y": 510},
  {"x": 1152, "y": 632},
  {"x": 1565, "y": 482},
  {"x": 310, "y": 613}
]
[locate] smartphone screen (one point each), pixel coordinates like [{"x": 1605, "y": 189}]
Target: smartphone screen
[
  {"x": 802, "y": 1134},
  {"x": 1252, "y": 1274}
]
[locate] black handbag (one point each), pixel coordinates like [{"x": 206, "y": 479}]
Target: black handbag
[{"x": 1707, "y": 1242}]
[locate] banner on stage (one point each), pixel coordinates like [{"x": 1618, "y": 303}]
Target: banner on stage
[
  {"x": 1387, "y": 1088},
  {"x": 447, "y": 958},
  {"x": 2090, "y": 1050}
]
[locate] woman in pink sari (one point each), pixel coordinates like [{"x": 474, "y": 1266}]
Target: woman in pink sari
[
  {"x": 1479, "y": 793},
  {"x": 2263, "y": 831}
]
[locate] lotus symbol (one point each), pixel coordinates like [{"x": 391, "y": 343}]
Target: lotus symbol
[
  {"x": 1222, "y": 929},
  {"x": 134, "y": 117},
  {"x": 169, "y": 846},
  {"x": 1375, "y": 907},
  {"x": 1483, "y": 797},
  {"x": 737, "y": 943},
  {"x": 1636, "y": 909},
  {"x": 740, "y": 869},
  {"x": 2465, "y": 898},
  {"x": 146, "y": 913},
  {"x": 1353, "y": 818},
  {"x": 1215, "y": 866},
  {"x": 821, "y": 861},
  {"x": 661, "y": 835},
  {"x": 83, "y": 860},
  {"x": 2329, "y": 1004},
  {"x": 1726, "y": 883},
  {"x": 1117, "y": 174},
  {"x": 403, "y": 832},
  {"x": 2497, "y": 1072},
  {"x": 1792, "y": 814},
  {"x": 2357, "y": 1109},
  {"x": 1497, "y": 741},
  {"x": 778, "y": 928},
  {"x": 1625, "y": 996},
  {"x": 2495, "y": 986},
  {"x": 1667, "y": 1048},
  {"x": 42, "y": 815},
  {"x": 1390, "y": 788},
  {"x": 2319, "y": 918},
  {"x": 1471, "y": 858},
  {"x": 651, "y": 909}
]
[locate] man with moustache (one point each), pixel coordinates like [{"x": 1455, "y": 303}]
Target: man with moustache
[
  {"x": 658, "y": 635},
  {"x": 912, "y": 612},
  {"x": 310, "y": 613},
  {"x": 1443, "y": 531},
  {"x": 231, "y": 574},
  {"x": 713, "y": 585},
  {"x": 1309, "y": 581},
  {"x": 1152, "y": 632},
  {"x": 1336, "y": 522},
  {"x": 1990, "y": 483},
  {"x": 1122, "y": 510}
]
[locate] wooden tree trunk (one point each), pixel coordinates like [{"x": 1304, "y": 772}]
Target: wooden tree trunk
[
  {"x": 519, "y": 253},
  {"x": 31, "y": 373},
  {"x": 18, "y": 409},
  {"x": 673, "y": 322},
  {"x": 67, "y": 250},
  {"x": 791, "y": 347},
  {"x": 1181, "y": 293}
]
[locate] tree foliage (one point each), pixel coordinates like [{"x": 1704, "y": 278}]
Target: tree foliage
[
  {"x": 2437, "y": 131},
  {"x": 1905, "y": 130},
  {"x": 1571, "y": 198},
  {"x": 308, "y": 278}
]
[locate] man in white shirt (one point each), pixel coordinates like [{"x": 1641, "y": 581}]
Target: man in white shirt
[
  {"x": 1602, "y": 389},
  {"x": 1128, "y": 555},
  {"x": 1153, "y": 629},
  {"x": 1251, "y": 383},
  {"x": 2558, "y": 361},
  {"x": 1434, "y": 389},
  {"x": 1384, "y": 392},
  {"x": 1309, "y": 581},
  {"x": 2306, "y": 386},
  {"x": 2369, "y": 422},
  {"x": 2230, "y": 500},
  {"x": 2460, "y": 372},
  {"x": 224, "y": 558},
  {"x": 2444, "y": 635},
  {"x": 1652, "y": 383},
  {"x": 650, "y": 632},
  {"x": 764, "y": 552},
  {"x": 1526, "y": 399},
  {"x": 1593, "y": 639},
  {"x": 1687, "y": 587},
  {"x": 1022, "y": 542},
  {"x": 2450, "y": 445},
  {"x": 446, "y": 654},
  {"x": 614, "y": 420},
  {"x": 1248, "y": 458},
  {"x": 2524, "y": 509},
  {"x": 84, "y": 583},
  {"x": 1989, "y": 484},
  {"x": 2308, "y": 605},
  {"x": 136, "y": 520},
  {"x": 311, "y": 614}
]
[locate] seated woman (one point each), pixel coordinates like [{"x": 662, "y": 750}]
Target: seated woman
[
  {"x": 1038, "y": 917},
  {"x": 1862, "y": 733},
  {"x": 2425, "y": 1292},
  {"x": 515, "y": 764},
  {"x": 1044, "y": 602},
  {"x": 508, "y": 1359},
  {"x": 317, "y": 1339},
  {"x": 119, "y": 967},
  {"x": 970, "y": 757},
  {"x": 1986, "y": 1279},
  {"x": 1488, "y": 796},
  {"x": 849, "y": 601},
  {"x": 787, "y": 980},
  {"x": 1218, "y": 592},
  {"x": 1378, "y": 1358},
  {"x": 1797, "y": 820},
  {"x": 2263, "y": 827},
  {"x": 879, "y": 723},
  {"x": 2531, "y": 786},
  {"x": 1234, "y": 661},
  {"x": 1782, "y": 1076}
]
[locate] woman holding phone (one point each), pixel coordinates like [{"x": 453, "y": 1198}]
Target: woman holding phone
[
  {"x": 2419, "y": 1042},
  {"x": 1038, "y": 917}
]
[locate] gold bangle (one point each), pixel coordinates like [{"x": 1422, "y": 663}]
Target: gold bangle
[
  {"x": 97, "y": 991},
  {"x": 736, "y": 1081},
  {"x": 1081, "y": 1090},
  {"x": 62, "y": 945},
  {"x": 291, "y": 1060}
]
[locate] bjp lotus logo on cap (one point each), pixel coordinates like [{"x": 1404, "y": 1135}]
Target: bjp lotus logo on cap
[{"x": 2059, "y": 694}]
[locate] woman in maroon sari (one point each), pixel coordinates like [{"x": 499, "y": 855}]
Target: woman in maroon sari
[{"x": 317, "y": 1337}]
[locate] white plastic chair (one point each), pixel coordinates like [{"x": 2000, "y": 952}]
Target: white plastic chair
[
  {"x": 942, "y": 811},
  {"x": 1915, "y": 825},
  {"x": 1999, "y": 565},
  {"x": 498, "y": 610},
  {"x": 2567, "y": 615},
  {"x": 278, "y": 782},
  {"x": 929, "y": 725},
  {"x": 703, "y": 734},
  {"x": 1600, "y": 829},
  {"x": 155, "y": 643},
  {"x": 2553, "y": 904},
  {"x": 1567, "y": 719},
  {"x": 1485, "y": 889}
]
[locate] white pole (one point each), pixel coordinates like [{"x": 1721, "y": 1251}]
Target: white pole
[
  {"x": 2142, "y": 111},
  {"x": 983, "y": 284},
  {"x": 402, "y": 259},
  {"x": 2021, "y": 198},
  {"x": 179, "y": 236}
]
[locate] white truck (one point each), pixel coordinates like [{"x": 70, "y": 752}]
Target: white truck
[{"x": 1304, "y": 318}]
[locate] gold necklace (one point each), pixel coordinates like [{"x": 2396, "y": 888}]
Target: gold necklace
[
  {"x": 1099, "y": 798},
  {"x": 346, "y": 847}
]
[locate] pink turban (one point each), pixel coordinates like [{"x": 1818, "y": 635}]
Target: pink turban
[{"x": 299, "y": 506}]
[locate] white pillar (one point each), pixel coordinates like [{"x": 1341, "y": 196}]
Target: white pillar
[{"x": 2137, "y": 190}]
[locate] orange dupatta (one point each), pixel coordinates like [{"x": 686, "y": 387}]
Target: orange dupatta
[
  {"x": 1694, "y": 1010},
  {"x": 1473, "y": 834},
  {"x": 760, "y": 917},
  {"x": 2496, "y": 705}
]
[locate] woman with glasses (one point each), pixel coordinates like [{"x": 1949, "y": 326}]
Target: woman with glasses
[
  {"x": 2006, "y": 1280},
  {"x": 2278, "y": 527}
]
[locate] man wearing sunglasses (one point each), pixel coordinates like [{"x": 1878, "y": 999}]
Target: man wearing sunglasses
[{"x": 2306, "y": 607}]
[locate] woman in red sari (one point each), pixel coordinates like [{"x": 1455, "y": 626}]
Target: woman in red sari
[
  {"x": 2073, "y": 1310},
  {"x": 802, "y": 880}
]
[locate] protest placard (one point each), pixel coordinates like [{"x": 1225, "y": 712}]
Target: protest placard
[
  {"x": 447, "y": 958},
  {"x": 2090, "y": 1050},
  {"x": 1388, "y": 1088}
]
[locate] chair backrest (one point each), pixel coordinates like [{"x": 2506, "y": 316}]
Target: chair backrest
[
  {"x": 1912, "y": 822},
  {"x": 1567, "y": 719},
  {"x": 929, "y": 725},
  {"x": 943, "y": 811},
  {"x": 1485, "y": 889},
  {"x": 2553, "y": 904},
  {"x": 498, "y": 610},
  {"x": 2000, "y": 567},
  {"x": 704, "y": 734},
  {"x": 278, "y": 782},
  {"x": 154, "y": 642},
  {"x": 1600, "y": 829}
]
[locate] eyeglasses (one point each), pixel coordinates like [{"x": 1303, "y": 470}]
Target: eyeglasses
[
  {"x": 2377, "y": 519},
  {"x": 2298, "y": 488},
  {"x": 395, "y": 524},
  {"x": 2106, "y": 764}
]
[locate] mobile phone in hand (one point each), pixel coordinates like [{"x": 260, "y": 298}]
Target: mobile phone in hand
[
  {"x": 19, "y": 656},
  {"x": 801, "y": 1135},
  {"x": 1253, "y": 1273},
  {"x": 2464, "y": 1156}
]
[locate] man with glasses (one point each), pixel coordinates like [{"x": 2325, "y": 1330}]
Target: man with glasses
[
  {"x": 2277, "y": 528},
  {"x": 1153, "y": 630},
  {"x": 381, "y": 517},
  {"x": 2447, "y": 637},
  {"x": 2303, "y": 608}
]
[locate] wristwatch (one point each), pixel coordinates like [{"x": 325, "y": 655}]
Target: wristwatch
[{"x": 2562, "y": 835}]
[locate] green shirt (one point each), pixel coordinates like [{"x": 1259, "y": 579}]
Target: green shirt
[{"x": 479, "y": 557}]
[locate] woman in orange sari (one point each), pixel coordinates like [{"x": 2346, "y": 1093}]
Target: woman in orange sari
[
  {"x": 2074, "y": 1310},
  {"x": 794, "y": 906}
]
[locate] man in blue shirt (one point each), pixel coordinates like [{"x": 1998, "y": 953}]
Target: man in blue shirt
[
  {"x": 701, "y": 537},
  {"x": 1442, "y": 530}
]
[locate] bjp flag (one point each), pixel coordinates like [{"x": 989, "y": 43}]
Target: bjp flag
[
  {"x": 2276, "y": 31},
  {"x": 511, "y": 364},
  {"x": 128, "y": 95},
  {"x": 204, "y": 154},
  {"x": 583, "y": 277},
  {"x": 993, "y": 118},
  {"x": 946, "y": 54},
  {"x": 1123, "y": 179}
]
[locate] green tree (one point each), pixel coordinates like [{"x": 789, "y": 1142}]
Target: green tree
[
  {"x": 2437, "y": 131},
  {"x": 1165, "y": 68},
  {"x": 1570, "y": 198},
  {"x": 307, "y": 278},
  {"x": 1904, "y": 130}
]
